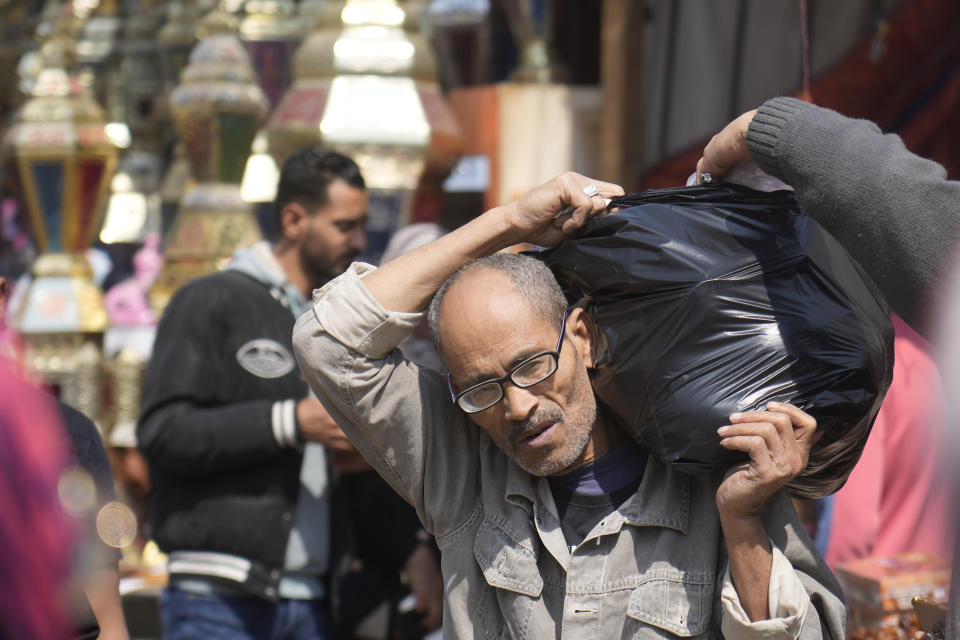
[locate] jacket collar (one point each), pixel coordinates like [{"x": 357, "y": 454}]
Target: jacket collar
[
  {"x": 521, "y": 487},
  {"x": 259, "y": 263},
  {"x": 661, "y": 500}
]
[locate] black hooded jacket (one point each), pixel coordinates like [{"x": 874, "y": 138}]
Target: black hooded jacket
[{"x": 218, "y": 430}]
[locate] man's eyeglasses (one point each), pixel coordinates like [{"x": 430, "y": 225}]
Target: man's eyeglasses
[{"x": 531, "y": 371}]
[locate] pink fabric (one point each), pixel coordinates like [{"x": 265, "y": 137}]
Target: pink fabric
[
  {"x": 35, "y": 533},
  {"x": 896, "y": 498}
]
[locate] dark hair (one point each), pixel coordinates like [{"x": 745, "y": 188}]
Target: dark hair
[
  {"x": 530, "y": 277},
  {"x": 307, "y": 174}
]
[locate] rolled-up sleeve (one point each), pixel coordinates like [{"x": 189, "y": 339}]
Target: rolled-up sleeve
[
  {"x": 346, "y": 310},
  {"x": 397, "y": 414},
  {"x": 805, "y": 599},
  {"x": 788, "y": 601}
]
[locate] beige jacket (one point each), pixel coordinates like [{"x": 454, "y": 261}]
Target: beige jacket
[{"x": 655, "y": 568}]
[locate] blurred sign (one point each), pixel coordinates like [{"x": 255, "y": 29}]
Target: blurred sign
[{"x": 472, "y": 173}]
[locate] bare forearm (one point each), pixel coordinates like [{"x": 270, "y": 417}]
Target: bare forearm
[
  {"x": 102, "y": 588},
  {"x": 409, "y": 282},
  {"x": 751, "y": 560}
]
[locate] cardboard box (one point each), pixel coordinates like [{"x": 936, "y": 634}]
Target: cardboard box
[{"x": 879, "y": 589}]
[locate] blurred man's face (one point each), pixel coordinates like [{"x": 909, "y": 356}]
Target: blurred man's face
[
  {"x": 486, "y": 329},
  {"x": 335, "y": 233}
]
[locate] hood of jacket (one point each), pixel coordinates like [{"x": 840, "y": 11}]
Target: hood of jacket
[{"x": 258, "y": 262}]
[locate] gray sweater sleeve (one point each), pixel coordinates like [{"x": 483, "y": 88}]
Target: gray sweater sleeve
[{"x": 894, "y": 211}]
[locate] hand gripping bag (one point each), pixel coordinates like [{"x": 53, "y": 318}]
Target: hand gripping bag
[{"x": 714, "y": 299}]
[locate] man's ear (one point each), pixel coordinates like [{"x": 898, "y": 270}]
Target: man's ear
[
  {"x": 582, "y": 329},
  {"x": 292, "y": 219}
]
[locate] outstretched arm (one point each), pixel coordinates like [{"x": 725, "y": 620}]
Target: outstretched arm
[{"x": 894, "y": 211}]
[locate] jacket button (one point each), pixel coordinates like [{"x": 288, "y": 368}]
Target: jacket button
[
  {"x": 270, "y": 591},
  {"x": 274, "y": 575},
  {"x": 287, "y": 516}
]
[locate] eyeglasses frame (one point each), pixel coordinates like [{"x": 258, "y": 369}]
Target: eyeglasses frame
[{"x": 508, "y": 378}]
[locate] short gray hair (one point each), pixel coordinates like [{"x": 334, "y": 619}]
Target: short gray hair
[{"x": 530, "y": 277}]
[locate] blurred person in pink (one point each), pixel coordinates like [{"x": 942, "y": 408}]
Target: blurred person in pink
[
  {"x": 36, "y": 535},
  {"x": 895, "y": 500},
  {"x": 87, "y": 592}
]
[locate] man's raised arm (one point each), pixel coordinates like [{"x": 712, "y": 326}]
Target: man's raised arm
[{"x": 543, "y": 216}]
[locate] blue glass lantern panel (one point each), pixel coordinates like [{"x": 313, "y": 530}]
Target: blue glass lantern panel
[{"x": 48, "y": 180}]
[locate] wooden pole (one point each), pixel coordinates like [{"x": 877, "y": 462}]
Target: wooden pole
[{"x": 621, "y": 78}]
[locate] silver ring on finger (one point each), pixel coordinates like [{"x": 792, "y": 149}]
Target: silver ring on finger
[{"x": 591, "y": 190}]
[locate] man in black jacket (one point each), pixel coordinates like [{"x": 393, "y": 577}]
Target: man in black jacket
[{"x": 240, "y": 495}]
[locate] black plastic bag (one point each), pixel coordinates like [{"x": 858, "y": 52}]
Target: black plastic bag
[{"x": 712, "y": 300}]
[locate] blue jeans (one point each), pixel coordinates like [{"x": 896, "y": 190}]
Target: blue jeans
[{"x": 190, "y": 616}]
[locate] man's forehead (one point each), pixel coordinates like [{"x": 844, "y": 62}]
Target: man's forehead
[
  {"x": 487, "y": 325},
  {"x": 480, "y": 295}
]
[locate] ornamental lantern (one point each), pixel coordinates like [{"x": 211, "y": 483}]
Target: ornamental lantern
[
  {"x": 63, "y": 159},
  {"x": 216, "y": 111},
  {"x": 368, "y": 88}
]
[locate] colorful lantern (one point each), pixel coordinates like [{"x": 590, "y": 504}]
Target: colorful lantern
[
  {"x": 63, "y": 159},
  {"x": 367, "y": 88},
  {"x": 216, "y": 111}
]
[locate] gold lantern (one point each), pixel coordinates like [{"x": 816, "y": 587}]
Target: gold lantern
[
  {"x": 63, "y": 160},
  {"x": 368, "y": 88},
  {"x": 216, "y": 111},
  {"x": 176, "y": 40}
]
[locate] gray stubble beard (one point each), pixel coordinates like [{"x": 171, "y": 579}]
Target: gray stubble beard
[{"x": 576, "y": 447}]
